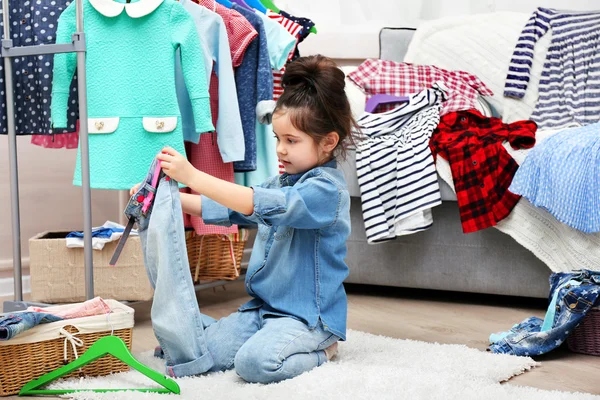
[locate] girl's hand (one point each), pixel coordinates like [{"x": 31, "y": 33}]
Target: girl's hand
[
  {"x": 176, "y": 166},
  {"x": 134, "y": 189}
]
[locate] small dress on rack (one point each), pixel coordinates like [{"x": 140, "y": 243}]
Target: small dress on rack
[
  {"x": 562, "y": 175},
  {"x": 254, "y": 83},
  {"x": 131, "y": 119},
  {"x": 396, "y": 172},
  {"x": 280, "y": 43},
  {"x": 33, "y": 25},
  {"x": 207, "y": 155}
]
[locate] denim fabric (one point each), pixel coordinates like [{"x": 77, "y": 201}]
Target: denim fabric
[
  {"x": 262, "y": 349},
  {"x": 254, "y": 83},
  {"x": 134, "y": 206},
  {"x": 13, "y": 324},
  {"x": 571, "y": 297},
  {"x": 175, "y": 315},
  {"x": 297, "y": 265}
]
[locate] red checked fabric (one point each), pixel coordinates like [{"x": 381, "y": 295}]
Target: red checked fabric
[
  {"x": 240, "y": 32},
  {"x": 205, "y": 155},
  {"x": 402, "y": 79},
  {"x": 295, "y": 30},
  {"x": 58, "y": 141},
  {"x": 482, "y": 169}
]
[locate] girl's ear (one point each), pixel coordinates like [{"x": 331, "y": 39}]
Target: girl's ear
[{"x": 330, "y": 142}]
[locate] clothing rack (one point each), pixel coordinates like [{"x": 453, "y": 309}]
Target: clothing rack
[{"x": 78, "y": 46}]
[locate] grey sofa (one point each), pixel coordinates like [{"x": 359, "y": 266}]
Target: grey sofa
[{"x": 442, "y": 257}]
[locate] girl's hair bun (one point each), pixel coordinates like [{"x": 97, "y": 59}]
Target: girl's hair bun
[{"x": 315, "y": 98}]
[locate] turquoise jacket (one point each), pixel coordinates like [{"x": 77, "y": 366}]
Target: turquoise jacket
[{"x": 132, "y": 103}]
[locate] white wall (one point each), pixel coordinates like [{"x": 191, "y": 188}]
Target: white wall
[{"x": 350, "y": 28}]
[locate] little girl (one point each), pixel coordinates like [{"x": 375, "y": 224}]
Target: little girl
[{"x": 298, "y": 309}]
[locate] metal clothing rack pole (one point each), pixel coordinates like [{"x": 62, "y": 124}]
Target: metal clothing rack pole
[{"x": 8, "y": 52}]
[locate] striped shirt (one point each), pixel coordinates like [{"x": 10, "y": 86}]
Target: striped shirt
[
  {"x": 569, "y": 89},
  {"x": 396, "y": 172}
]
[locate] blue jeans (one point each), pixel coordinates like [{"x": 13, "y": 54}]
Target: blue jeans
[
  {"x": 261, "y": 348},
  {"x": 572, "y": 295},
  {"x": 13, "y": 324}
]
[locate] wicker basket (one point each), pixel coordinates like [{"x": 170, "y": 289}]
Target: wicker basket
[
  {"x": 28, "y": 359},
  {"x": 215, "y": 257},
  {"x": 585, "y": 338}
]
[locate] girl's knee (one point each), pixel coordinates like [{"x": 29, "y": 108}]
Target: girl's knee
[{"x": 253, "y": 366}]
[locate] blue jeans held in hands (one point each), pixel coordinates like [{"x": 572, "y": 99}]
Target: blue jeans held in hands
[{"x": 262, "y": 348}]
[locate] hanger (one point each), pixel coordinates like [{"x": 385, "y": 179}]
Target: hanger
[
  {"x": 270, "y": 5},
  {"x": 378, "y": 99},
  {"x": 225, "y": 3},
  {"x": 242, "y": 3},
  {"x": 257, "y": 5},
  {"x": 112, "y": 345}
]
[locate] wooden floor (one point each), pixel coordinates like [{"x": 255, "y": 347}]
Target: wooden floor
[{"x": 430, "y": 316}]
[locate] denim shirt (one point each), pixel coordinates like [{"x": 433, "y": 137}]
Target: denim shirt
[
  {"x": 572, "y": 295},
  {"x": 297, "y": 266}
]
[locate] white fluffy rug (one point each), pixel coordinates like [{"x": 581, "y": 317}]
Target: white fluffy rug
[{"x": 367, "y": 367}]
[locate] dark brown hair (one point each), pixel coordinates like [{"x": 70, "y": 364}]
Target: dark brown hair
[{"x": 315, "y": 100}]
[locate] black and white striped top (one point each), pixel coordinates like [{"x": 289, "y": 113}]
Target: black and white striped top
[
  {"x": 569, "y": 89},
  {"x": 395, "y": 168}
]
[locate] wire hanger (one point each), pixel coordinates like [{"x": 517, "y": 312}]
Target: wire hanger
[
  {"x": 270, "y": 5},
  {"x": 378, "y": 99},
  {"x": 112, "y": 345}
]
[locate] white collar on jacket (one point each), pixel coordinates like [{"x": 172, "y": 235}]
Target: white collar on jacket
[{"x": 110, "y": 8}]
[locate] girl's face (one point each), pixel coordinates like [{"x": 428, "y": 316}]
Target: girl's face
[{"x": 298, "y": 151}]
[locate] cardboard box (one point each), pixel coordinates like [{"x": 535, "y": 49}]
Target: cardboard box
[{"x": 58, "y": 273}]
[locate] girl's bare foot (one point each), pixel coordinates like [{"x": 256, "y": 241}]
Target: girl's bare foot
[{"x": 331, "y": 351}]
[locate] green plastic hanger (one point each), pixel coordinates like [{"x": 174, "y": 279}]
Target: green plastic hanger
[
  {"x": 112, "y": 345},
  {"x": 270, "y": 5}
]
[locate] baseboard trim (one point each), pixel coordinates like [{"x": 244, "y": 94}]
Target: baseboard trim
[
  {"x": 7, "y": 264},
  {"x": 7, "y": 288}
]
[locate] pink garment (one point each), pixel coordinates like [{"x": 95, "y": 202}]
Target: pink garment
[
  {"x": 57, "y": 141},
  {"x": 95, "y": 306}
]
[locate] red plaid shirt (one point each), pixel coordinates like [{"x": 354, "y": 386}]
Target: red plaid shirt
[
  {"x": 402, "y": 79},
  {"x": 482, "y": 169}
]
